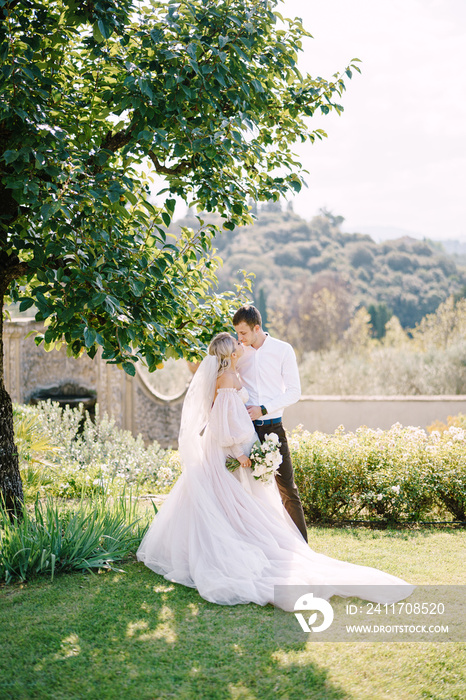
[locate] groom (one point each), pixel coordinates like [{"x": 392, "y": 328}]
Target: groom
[{"x": 269, "y": 371}]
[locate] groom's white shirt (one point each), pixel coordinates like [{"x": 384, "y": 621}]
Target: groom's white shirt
[{"x": 270, "y": 374}]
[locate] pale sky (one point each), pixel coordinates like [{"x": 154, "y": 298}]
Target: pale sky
[{"x": 397, "y": 155}]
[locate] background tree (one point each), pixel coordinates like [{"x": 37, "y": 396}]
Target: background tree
[
  {"x": 358, "y": 336},
  {"x": 284, "y": 250},
  {"x": 379, "y": 314},
  {"x": 205, "y": 93},
  {"x": 316, "y": 316},
  {"x": 444, "y": 328}
]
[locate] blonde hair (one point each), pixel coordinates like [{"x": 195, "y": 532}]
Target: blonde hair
[{"x": 222, "y": 347}]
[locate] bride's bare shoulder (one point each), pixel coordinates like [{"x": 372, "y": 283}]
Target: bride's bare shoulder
[{"x": 228, "y": 381}]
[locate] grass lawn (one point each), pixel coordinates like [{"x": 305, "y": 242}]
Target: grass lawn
[{"x": 134, "y": 635}]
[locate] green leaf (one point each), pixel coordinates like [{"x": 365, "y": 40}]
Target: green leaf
[
  {"x": 104, "y": 29},
  {"x": 113, "y": 196},
  {"x": 97, "y": 34},
  {"x": 157, "y": 35},
  {"x": 129, "y": 368},
  {"x": 89, "y": 337},
  {"x": 137, "y": 286},
  {"x": 145, "y": 135},
  {"x": 48, "y": 335},
  {"x": 10, "y": 156},
  {"x": 26, "y": 304},
  {"x": 170, "y": 205}
]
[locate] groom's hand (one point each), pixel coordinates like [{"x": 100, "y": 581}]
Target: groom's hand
[{"x": 255, "y": 412}]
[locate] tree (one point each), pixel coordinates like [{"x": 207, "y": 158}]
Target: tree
[
  {"x": 203, "y": 92},
  {"x": 315, "y": 316},
  {"x": 444, "y": 327},
  {"x": 380, "y": 315},
  {"x": 358, "y": 338},
  {"x": 262, "y": 306}
]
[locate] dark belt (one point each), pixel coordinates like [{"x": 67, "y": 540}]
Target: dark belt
[{"x": 270, "y": 421}]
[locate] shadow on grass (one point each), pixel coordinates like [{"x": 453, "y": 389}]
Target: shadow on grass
[{"x": 135, "y": 635}]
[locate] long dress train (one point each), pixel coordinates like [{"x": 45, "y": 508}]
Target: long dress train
[{"x": 229, "y": 536}]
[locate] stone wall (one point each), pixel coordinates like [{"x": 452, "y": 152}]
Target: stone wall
[
  {"x": 326, "y": 413},
  {"x": 133, "y": 404}
]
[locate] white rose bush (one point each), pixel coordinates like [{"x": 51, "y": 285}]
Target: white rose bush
[{"x": 401, "y": 475}]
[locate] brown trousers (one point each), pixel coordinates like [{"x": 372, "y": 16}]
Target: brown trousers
[{"x": 285, "y": 480}]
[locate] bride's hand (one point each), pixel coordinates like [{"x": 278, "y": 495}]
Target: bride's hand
[{"x": 244, "y": 461}]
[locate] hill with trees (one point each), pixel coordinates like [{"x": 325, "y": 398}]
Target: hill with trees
[{"x": 312, "y": 271}]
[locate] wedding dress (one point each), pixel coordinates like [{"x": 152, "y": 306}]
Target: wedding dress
[{"x": 227, "y": 534}]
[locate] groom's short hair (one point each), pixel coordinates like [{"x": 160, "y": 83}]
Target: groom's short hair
[{"x": 248, "y": 314}]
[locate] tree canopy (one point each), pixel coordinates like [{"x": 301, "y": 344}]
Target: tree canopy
[
  {"x": 207, "y": 94},
  {"x": 98, "y": 94}
]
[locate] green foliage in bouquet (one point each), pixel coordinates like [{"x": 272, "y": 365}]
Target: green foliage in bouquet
[{"x": 395, "y": 476}]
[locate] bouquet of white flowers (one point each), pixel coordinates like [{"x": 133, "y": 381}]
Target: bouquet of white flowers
[{"x": 265, "y": 459}]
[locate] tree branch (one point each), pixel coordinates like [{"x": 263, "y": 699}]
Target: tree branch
[
  {"x": 113, "y": 142},
  {"x": 11, "y": 272},
  {"x": 180, "y": 168}
]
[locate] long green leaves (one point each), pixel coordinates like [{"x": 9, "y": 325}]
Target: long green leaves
[{"x": 56, "y": 537}]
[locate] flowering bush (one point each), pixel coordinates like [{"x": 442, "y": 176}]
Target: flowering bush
[
  {"x": 402, "y": 474},
  {"x": 100, "y": 458}
]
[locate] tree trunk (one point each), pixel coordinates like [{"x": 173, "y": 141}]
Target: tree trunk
[{"x": 11, "y": 487}]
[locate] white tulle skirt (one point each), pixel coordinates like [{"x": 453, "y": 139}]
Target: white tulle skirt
[{"x": 228, "y": 536}]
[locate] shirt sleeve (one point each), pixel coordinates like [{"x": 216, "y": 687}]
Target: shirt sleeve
[
  {"x": 229, "y": 422},
  {"x": 291, "y": 381}
]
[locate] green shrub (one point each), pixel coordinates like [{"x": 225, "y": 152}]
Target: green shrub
[
  {"x": 34, "y": 447},
  {"x": 398, "y": 475},
  {"x": 95, "y": 533},
  {"x": 449, "y": 477}
]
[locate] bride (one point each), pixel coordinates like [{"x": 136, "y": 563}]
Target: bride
[{"x": 227, "y": 534}]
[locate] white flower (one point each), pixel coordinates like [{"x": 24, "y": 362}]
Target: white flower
[
  {"x": 273, "y": 437},
  {"x": 379, "y": 496},
  {"x": 456, "y": 433},
  {"x": 259, "y": 470},
  {"x": 396, "y": 489}
]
